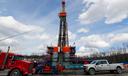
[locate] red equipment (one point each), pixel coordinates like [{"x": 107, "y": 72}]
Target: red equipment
[
  {"x": 60, "y": 68},
  {"x": 15, "y": 63},
  {"x": 47, "y": 69}
]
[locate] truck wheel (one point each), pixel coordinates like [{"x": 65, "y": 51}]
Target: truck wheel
[
  {"x": 91, "y": 71},
  {"x": 15, "y": 72},
  {"x": 119, "y": 70}
]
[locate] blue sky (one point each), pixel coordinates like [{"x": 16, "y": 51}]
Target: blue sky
[{"x": 91, "y": 24}]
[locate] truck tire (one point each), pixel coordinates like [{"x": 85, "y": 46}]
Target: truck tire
[
  {"x": 91, "y": 71},
  {"x": 15, "y": 72},
  {"x": 119, "y": 70}
]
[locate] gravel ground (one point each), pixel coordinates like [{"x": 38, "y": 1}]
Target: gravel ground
[{"x": 75, "y": 73}]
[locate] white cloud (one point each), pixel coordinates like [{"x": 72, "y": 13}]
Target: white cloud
[
  {"x": 38, "y": 36},
  {"x": 45, "y": 37},
  {"x": 95, "y": 41},
  {"x": 9, "y": 23},
  {"x": 113, "y": 11},
  {"x": 90, "y": 44},
  {"x": 83, "y": 30},
  {"x": 118, "y": 37},
  {"x": 9, "y": 42},
  {"x": 10, "y": 26},
  {"x": 85, "y": 51},
  {"x": 72, "y": 36},
  {"x": 102, "y": 41}
]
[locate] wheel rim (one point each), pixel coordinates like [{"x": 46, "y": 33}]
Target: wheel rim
[
  {"x": 119, "y": 70},
  {"x": 92, "y": 71},
  {"x": 15, "y": 73}
]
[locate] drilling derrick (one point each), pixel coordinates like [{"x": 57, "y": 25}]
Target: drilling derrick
[
  {"x": 62, "y": 53},
  {"x": 63, "y": 33}
]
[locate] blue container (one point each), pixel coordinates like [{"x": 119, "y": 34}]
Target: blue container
[
  {"x": 55, "y": 55},
  {"x": 66, "y": 55},
  {"x": 54, "y": 59}
]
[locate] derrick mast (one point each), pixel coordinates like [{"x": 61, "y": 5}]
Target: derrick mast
[
  {"x": 63, "y": 33},
  {"x": 62, "y": 53}
]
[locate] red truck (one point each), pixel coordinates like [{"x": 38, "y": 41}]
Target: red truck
[{"x": 15, "y": 64}]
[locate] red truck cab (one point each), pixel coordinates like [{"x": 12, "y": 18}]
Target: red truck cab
[{"x": 16, "y": 64}]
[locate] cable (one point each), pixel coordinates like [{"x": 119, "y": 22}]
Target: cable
[{"x": 12, "y": 36}]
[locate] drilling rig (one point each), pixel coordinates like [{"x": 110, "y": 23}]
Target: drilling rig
[
  {"x": 62, "y": 56},
  {"x": 63, "y": 53}
]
